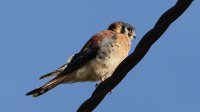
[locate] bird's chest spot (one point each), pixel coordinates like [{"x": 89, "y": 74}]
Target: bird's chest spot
[{"x": 112, "y": 52}]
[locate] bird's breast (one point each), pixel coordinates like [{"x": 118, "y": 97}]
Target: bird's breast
[
  {"x": 111, "y": 53},
  {"x": 113, "y": 50}
]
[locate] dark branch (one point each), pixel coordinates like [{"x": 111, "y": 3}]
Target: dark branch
[{"x": 133, "y": 59}]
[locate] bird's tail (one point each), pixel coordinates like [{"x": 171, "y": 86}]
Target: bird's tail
[
  {"x": 58, "y": 71},
  {"x": 48, "y": 86},
  {"x": 55, "y": 72}
]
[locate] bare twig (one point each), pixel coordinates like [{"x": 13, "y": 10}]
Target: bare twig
[{"x": 140, "y": 51}]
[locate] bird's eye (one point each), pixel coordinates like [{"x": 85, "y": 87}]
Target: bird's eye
[{"x": 129, "y": 29}]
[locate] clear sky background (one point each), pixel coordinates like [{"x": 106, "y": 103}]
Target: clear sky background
[{"x": 37, "y": 36}]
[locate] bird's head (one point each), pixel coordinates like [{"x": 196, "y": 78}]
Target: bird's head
[{"x": 124, "y": 28}]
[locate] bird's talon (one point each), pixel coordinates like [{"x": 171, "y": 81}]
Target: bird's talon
[
  {"x": 110, "y": 92},
  {"x": 97, "y": 84}
]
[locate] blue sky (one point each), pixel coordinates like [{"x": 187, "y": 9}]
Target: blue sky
[{"x": 37, "y": 36}]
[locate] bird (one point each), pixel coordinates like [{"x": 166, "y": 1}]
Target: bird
[{"x": 96, "y": 61}]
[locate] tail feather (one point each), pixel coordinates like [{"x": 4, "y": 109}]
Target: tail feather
[
  {"x": 48, "y": 86},
  {"x": 54, "y": 73},
  {"x": 58, "y": 71},
  {"x": 48, "y": 75}
]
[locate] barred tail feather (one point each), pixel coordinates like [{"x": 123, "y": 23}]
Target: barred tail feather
[{"x": 48, "y": 86}]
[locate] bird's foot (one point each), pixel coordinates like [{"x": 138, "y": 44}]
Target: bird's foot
[
  {"x": 97, "y": 84},
  {"x": 110, "y": 92}
]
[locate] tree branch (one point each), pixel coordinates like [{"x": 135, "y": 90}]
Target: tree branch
[{"x": 133, "y": 59}]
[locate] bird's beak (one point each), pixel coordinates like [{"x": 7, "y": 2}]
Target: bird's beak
[{"x": 134, "y": 35}]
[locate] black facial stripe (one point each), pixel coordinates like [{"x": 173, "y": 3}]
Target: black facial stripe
[
  {"x": 111, "y": 27},
  {"x": 123, "y": 30},
  {"x": 129, "y": 34}
]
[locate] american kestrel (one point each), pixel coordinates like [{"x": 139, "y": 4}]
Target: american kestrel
[{"x": 96, "y": 61}]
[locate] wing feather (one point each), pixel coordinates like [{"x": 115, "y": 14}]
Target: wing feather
[{"x": 88, "y": 52}]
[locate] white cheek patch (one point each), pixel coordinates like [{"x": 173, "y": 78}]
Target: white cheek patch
[
  {"x": 126, "y": 31},
  {"x": 131, "y": 38}
]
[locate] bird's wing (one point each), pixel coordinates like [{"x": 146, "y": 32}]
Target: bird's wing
[
  {"x": 88, "y": 52},
  {"x": 57, "y": 71}
]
